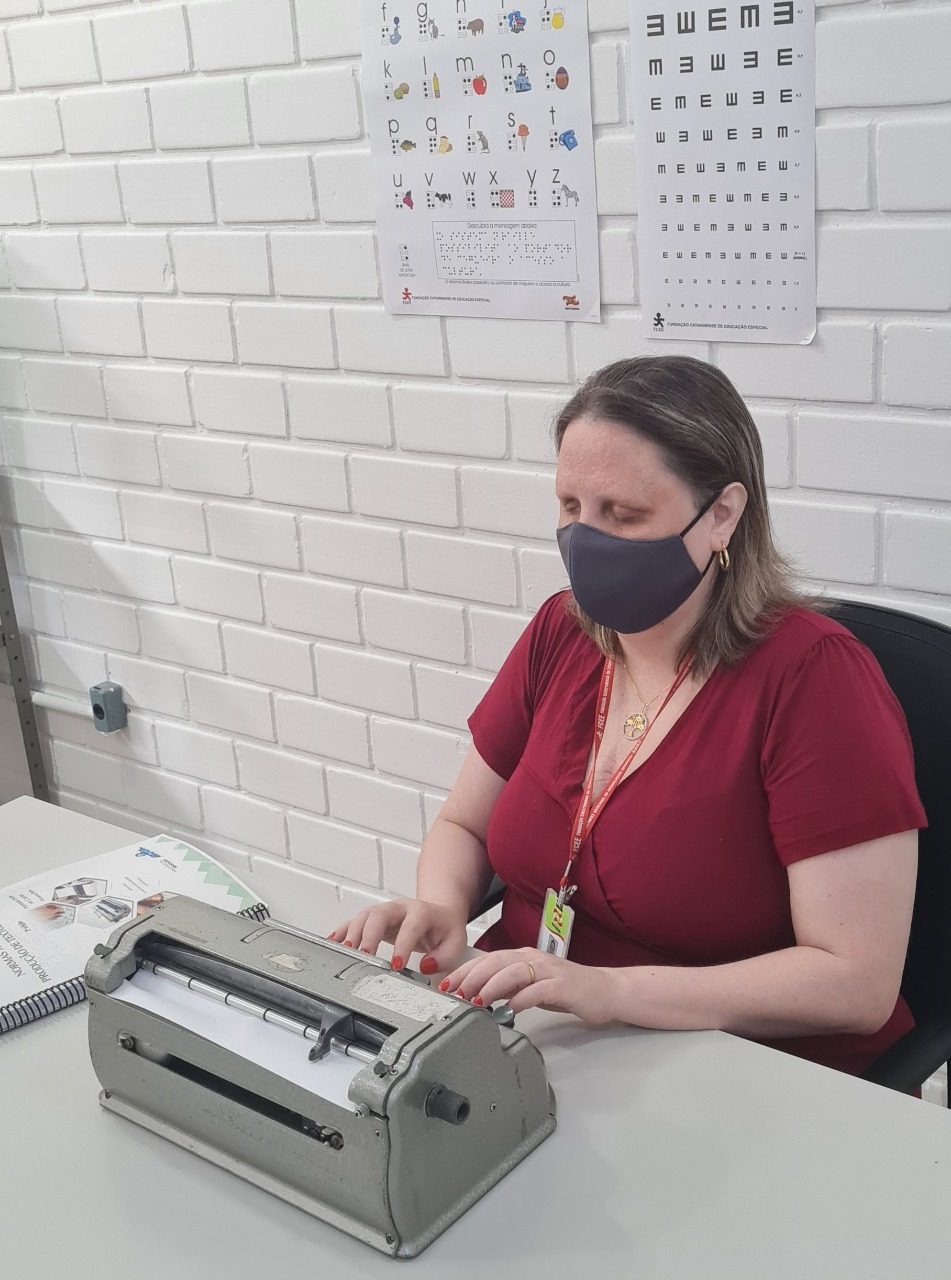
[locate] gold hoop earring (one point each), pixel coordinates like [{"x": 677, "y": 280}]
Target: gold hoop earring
[{"x": 724, "y": 558}]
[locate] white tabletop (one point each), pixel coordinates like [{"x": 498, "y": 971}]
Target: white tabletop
[{"x": 678, "y": 1156}]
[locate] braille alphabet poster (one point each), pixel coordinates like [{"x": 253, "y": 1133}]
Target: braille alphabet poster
[
  {"x": 479, "y": 116},
  {"x": 724, "y": 120}
]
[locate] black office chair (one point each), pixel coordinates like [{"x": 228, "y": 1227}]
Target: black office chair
[{"x": 915, "y": 655}]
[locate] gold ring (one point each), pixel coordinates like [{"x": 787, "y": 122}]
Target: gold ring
[{"x": 531, "y": 970}]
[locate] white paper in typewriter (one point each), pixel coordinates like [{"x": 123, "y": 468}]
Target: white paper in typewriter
[{"x": 724, "y": 119}]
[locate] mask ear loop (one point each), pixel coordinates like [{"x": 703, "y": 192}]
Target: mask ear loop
[{"x": 702, "y": 512}]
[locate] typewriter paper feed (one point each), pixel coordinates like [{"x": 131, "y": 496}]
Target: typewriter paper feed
[
  {"x": 479, "y": 116},
  {"x": 724, "y": 118}
]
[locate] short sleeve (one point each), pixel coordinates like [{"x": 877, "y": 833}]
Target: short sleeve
[
  {"x": 502, "y": 721},
  {"x": 837, "y": 759}
]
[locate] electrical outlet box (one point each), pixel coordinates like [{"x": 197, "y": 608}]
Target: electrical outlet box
[{"x": 108, "y": 710}]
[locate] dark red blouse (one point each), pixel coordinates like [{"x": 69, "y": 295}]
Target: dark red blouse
[{"x": 799, "y": 750}]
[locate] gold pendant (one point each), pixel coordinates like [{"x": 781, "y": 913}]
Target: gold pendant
[{"x": 635, "y": 725}]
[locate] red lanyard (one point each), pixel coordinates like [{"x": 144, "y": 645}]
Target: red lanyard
[{"x": 588, "y": 814}]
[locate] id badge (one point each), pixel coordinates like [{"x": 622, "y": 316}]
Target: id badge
[{"x": 555, "y": 932}]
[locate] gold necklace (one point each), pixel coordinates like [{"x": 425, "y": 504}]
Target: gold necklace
[{"x": 637, "y": 723}]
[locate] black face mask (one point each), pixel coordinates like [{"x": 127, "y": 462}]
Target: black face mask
[{"x": 629, "y": 584}]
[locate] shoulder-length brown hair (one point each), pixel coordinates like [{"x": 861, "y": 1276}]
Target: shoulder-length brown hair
[{"x": 695, "y": 416}]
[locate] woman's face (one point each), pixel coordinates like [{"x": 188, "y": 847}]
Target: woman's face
[{"x": 616, "y": 481}]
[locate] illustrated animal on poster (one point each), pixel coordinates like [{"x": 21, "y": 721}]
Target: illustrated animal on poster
[
  {"x": 397, "y": 35},
  {"x": 568, "y": 194},
  {"x": 483, "y": 140},
  {"x": 433, "y": 30},
  {"x": 476, "y": 27}
]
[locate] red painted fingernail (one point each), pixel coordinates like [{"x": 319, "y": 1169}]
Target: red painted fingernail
[
  {"x": 366, "y": 951},
  {"x": 459, "y": 991},
  {"x": 331, "y": 936},
  {"x": 428, "y": 965},
  {"x": 348, "y": 944},
  {"x": 397, "y": 962},
  {"x": 477, "y": 1000},
  {"x": 444, "y": 985}
]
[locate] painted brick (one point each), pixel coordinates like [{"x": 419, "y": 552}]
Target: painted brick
[
  {"x": 221, "y": 261},
  {"x": 327, "y": 610},
  {"x": 908, "y": 177},
  {"x": 163, "y": 521},
  {"x": 204, "y": 112},
  {"x": 461, "y": 567},
  {"x": 186, "y": 639},
  {"x": 323, "y": 730},
  {"x": 447, "y": 696},
  {"x": 542, "y": 574},
  {"x": 117, "y": 453},
  {"x": 333, "y": 848},
  {"x": 618, "y": 266},
  {"x": 139, "y": 44},
  {"x": 427, "y": 628},
  {"x": 268, "y": 659},
  {"x": 135, "y": 742},
  {"x": 84, "y": 192},
  {"x": 883, "y": 59},
  {"x": 30, "y": 126},
  {"x": 608, "y": 15},
  {"x": 109, "y": 624},
  {"x": 17, "y": 197},
  {"x": 12, "y": 386},
  {"x": 296, "y": 894},
  {"x": 218, "y": 588},
  {"x": 83, "y": 508},
  {"x": 105, "y": 120},
  {"x": 835, "y": 543},
  {"x": 326, "y": 31},
  {"x": 431, "y": 806},
  {"x": 56, "y": 559},
  {"x": 228, "y": 704},
  {"x": 369, "y": 801},
  {"x": 196, "y": 754},
  {"x": 170, "y": 798},
  {"x": 532, "y": 419},
  {"x": 309, "y": 104},
  {"x": 52, "y": 53},
  {"x": 101, "y": 326},
  {"x": 399, "y": 867},
  {"x": 365, "y": 680},
  {"x": 605, "y": 86},
  {"x": 325, "y": 264},
  {"x": 206, "y": 465},
  {"x": 314, "y": 479},
  {"x": 278, "y": 775},
  {"x": 49, "y": 260},
  {"x": 240, "y": 33},
  {"x": 278, "y": 334},
  {"x": 773, "y": 428},
  {"x": 187, "y": 330},
  {"x": 422, "y": 492},
  {"x": 842, "y": 166},
  {"x": 69, "y": 666},
  {"x": 144, "y": 393},
  {"x": 371, "y": 340},
  {"x": 134, "y": 572},
  {"x": 918, "y": 552},
  {"x": 339, "y": 409},
  {"x": 493, "y": 635},
  {"x": 61, "y": 386},
  {"x": 241, "y": 818},
  {"x": 127, "y": 261},
  {"x": 254, "y": 535},
  {"x": 251, "y": 403},
  {"x": 505, "y": 501},
  {"x": 39, "y": 445},
  {"x": 450, "y": 420},
  {"x": 837, "y": 365},
  {"x": 166, "y": 190},
  {"x": 344, "y": 186},
  {"x": 261, "y": 188},
  {"x": 614, "y": 171},
  {"x": 508, "y": 349},
  {"x": 23, "y": 501},
  {"x": 89, "y": 772},
  {"x": 906, "y": 267},
  {"x": 891, "y": 456},
  {"x": 620, "y": 336},
  {"x": 29, "y": 324},
  {"x": 918, "y": 365},
  {"x": 416, "y": 752}
]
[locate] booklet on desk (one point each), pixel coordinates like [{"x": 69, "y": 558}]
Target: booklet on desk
[{"x": 50, "y": 923}]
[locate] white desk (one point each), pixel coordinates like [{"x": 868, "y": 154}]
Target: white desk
[{"x": 678, "y": 1156}]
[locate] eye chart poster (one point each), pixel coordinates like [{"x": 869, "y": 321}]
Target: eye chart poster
[
  {"x": 479, "y": 117},
  {"x": 724, "y": 118}
]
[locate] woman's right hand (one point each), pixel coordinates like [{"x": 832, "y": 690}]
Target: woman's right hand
[{"x": 410, "y": 925}]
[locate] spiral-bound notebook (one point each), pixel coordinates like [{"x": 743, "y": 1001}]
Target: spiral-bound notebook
[{"x": 50, "y": 923}]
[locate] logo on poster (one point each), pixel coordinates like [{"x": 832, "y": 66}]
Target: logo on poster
[{"x": 407, "y": 297}]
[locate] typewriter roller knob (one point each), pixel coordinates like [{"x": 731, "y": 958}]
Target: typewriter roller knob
[{"x": 444, "y": 1104}]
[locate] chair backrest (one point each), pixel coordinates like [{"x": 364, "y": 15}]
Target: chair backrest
[{"x": 915, "y": 655}]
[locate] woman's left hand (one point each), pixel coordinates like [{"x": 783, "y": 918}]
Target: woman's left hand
[{"x": 527, "y": 978}]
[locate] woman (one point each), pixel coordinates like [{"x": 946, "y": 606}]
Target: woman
[{"x": 722, "y": 768}]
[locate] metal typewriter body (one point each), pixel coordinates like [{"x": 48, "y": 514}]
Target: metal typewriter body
[{"x": 448, "y": 1100}]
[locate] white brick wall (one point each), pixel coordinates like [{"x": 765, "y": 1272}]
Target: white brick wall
[{"x": 303, "y": 534}]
